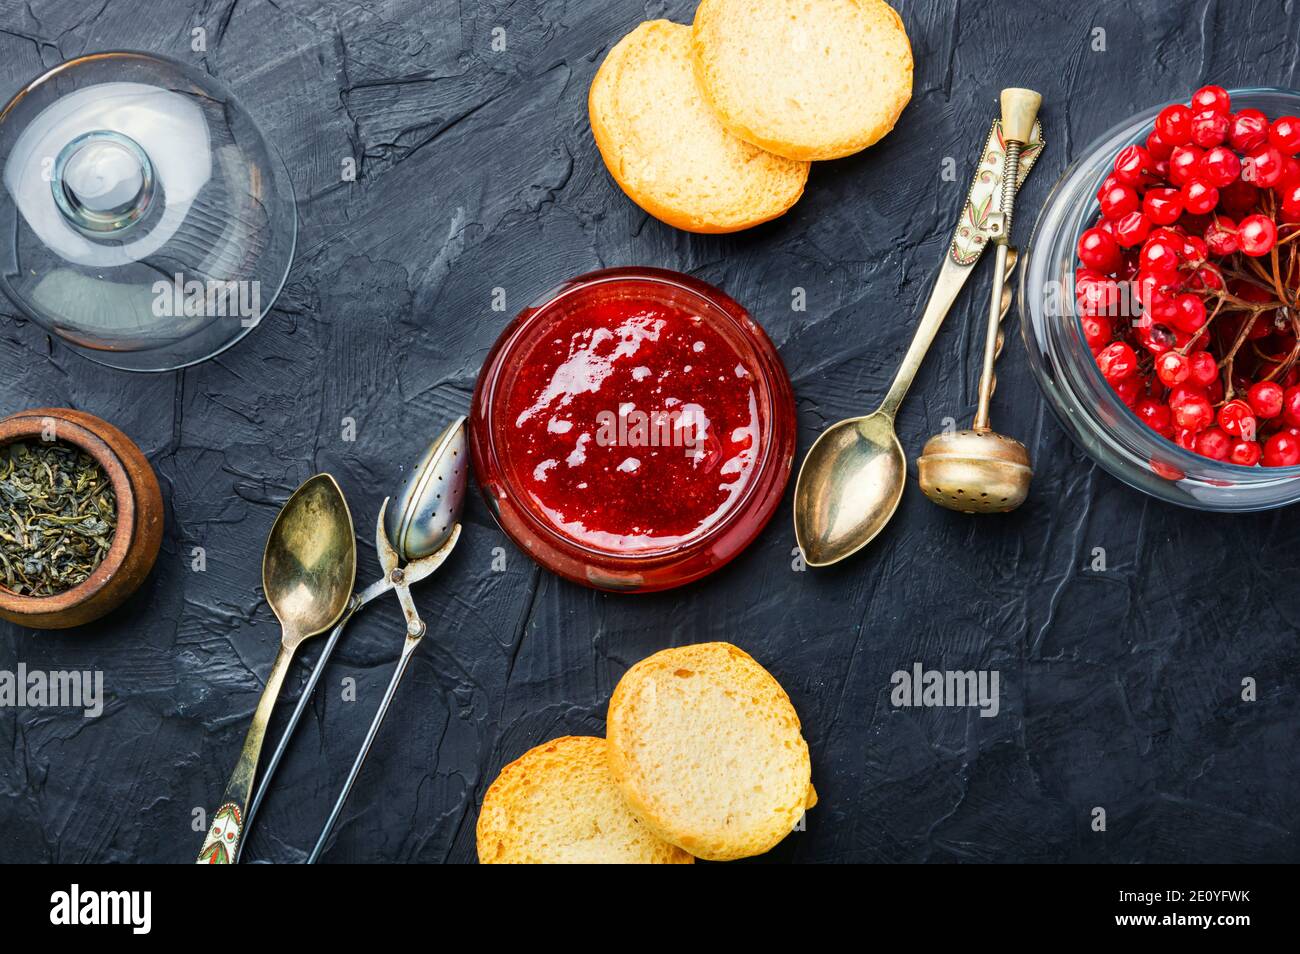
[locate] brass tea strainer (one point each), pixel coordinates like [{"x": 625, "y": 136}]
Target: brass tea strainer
[{"x": 979, "y": 470}]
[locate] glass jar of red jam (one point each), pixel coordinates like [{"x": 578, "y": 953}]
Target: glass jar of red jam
[{"x": 633, "y": 430}]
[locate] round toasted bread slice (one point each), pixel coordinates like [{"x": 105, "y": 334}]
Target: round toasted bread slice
[
  {"x": 806, "y": 79},
  {"x": 666, "y": 149},
  {"x": 706, "y": 748},
  {"x": 557, "y": 804}
]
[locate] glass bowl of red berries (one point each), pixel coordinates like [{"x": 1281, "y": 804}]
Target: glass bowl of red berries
[{"x": 1160, "y": 305}]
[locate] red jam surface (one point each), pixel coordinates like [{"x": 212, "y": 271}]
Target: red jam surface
[
  {"x": 632, "y": 423},
  {"x": 634, "y": 430}
]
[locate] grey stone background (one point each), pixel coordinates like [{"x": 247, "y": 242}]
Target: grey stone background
[{"x": 1120, "y": 689}]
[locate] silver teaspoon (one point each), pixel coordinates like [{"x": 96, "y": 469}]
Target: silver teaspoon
[{"x": 423, "y": 525}]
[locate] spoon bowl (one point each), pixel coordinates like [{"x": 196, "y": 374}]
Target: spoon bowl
[
  {"x": 429, "y": 504},
  {"x": 848, "y": 488},
  {"x": 311, "y": 561}
]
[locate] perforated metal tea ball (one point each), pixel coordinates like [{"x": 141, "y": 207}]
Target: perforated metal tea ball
[{"x": 975, "y": 471}]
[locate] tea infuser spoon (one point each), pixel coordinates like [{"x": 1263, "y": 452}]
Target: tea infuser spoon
[
  {"x": 852, "y": 479},
  {"x": 401, "y": 579},
  {"x": 978, "y": 470},
  {"x": 308, "y": 572},
  {"x": 421, "y": 524}
]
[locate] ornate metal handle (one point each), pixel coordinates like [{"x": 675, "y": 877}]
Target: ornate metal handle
[
  {"x": 999, "y": 305},
  {"x": 976, "y": 226},
  {"x": 221, "y": 846},
  {"x": 1019, "y": 115}
]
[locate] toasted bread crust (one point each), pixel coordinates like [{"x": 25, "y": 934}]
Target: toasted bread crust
[
  {"x": 557, "y": 804},
  {"x": 743, "y": 186}
]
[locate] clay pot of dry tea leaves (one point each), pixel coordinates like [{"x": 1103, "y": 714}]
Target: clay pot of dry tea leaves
[{"x": 72, "y": 515}]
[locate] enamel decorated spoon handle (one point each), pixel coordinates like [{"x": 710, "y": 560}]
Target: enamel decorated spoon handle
[{"x": 221, "y": 846}]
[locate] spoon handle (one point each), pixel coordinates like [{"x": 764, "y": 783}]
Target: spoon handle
[
  {"x": 408, "y": 649},
  {"x": 951, "y": 279},
  {"x": 1018, "y": 128},
  {"x": 221, "y": 846},
  {"x": 264, "y": 783}
]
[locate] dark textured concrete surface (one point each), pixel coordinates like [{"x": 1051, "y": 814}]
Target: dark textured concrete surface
[{"x": 1121, "y": 689}]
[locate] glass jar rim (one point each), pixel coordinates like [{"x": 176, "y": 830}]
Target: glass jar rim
[{"x": 719, "y": 305}]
